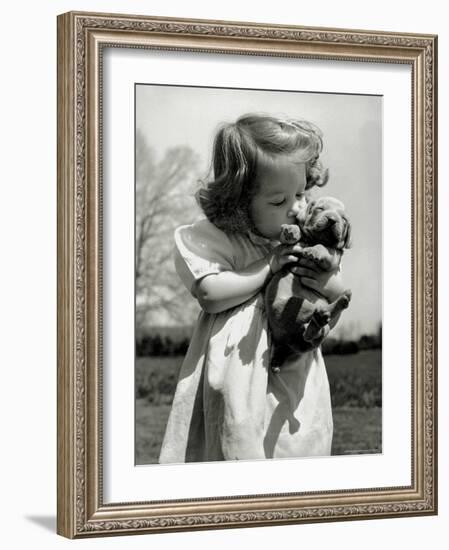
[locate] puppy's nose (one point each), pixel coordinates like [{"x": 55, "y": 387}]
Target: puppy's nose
[{"x": 332, "y": 220}]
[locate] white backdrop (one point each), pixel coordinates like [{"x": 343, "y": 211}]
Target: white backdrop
[{"x": 28, "y": 274}]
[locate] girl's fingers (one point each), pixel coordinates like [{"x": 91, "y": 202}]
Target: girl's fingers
[
  {"x": 287, "y": 251},
  {"x": 304, "y": 272},
  {"x": 307, "y": 281},
  {"x": 304, "y": 262},
  {"x": 291, "y": 258}
]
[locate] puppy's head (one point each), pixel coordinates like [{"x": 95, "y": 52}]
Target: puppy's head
[{"x": 326, "y": 222}]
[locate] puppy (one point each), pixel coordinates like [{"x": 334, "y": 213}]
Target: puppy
[{"x": 298, "y": 319}]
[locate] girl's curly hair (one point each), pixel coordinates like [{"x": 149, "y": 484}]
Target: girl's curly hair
[{"x": 238, "y": 146}]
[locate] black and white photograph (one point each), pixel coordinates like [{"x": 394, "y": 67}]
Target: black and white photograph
[
  {"x": 247, "y": 285},
  {"x": 258, "y": 274}
]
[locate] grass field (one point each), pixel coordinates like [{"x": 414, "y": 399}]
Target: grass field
[{"x": 356, "y": 390}]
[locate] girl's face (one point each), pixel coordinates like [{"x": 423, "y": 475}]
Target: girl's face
[{"x": 280, "y": 197}]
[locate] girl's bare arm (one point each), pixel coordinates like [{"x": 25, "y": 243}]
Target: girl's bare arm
[{"x": 221, "y": 291}]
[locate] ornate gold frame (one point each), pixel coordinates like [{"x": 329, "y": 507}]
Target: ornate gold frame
[{"x": 81, "y": 37}]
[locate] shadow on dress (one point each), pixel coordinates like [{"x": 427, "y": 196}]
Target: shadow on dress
[
  {"x": 249, "y": 341},
  {"x": 288, "y": 403}
]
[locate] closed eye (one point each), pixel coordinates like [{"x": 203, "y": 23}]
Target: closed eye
[{"x": 278, "y": 203}]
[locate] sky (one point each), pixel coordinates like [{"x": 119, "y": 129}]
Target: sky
[{"x": 352, "y": 133}]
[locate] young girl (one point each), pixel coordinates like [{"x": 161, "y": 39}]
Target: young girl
[{"x": 228, "y": 405}]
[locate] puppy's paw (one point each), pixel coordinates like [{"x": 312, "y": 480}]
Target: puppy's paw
[
  {"x": 321, "y": 317},
  {"x": 310, "y": 254},
  {"x": 347, "y": 295},
  {"x": 318, "y": 255},
  {"x": 324, "y": 263},
  {"x": 290, "y": 234},
  {"x": 344, "y": 299}
]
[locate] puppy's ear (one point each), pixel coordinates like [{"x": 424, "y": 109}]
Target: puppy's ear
[
  {"x": 347, "y": 243},
  {"x": 310, "y": 206}
]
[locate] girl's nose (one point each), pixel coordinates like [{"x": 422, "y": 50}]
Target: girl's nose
[{"x": 295, "y": 209}]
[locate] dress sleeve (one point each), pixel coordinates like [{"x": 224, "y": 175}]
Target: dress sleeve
[{"x": 201, "y": 249}]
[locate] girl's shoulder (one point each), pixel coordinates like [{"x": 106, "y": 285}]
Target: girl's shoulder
[
  {"x": 203, "y": 231},
  {"x": 205, "y": 240}
]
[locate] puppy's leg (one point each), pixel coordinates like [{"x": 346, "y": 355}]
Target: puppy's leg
[
  {"x": 322, "y": 335},
  {"x": 320, "y": 256},
  {"x": 318, "y": 326},
  {"x": 340, "y": 303},
  {"x": 276, "y": 360},
  {"x": 314, "y": 334},
  {"x": 279, "y": 354}
]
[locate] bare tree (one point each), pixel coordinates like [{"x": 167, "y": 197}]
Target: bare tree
[{"x": 164, "y": 200}]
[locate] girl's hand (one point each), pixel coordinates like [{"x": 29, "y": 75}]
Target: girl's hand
[
  {"x": 328, "y": 284},
  {"x": 281, "y": 255}
]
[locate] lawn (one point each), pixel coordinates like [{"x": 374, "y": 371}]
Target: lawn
[
  {"x": 357, "y": 431},
  {"x": 356, "y": 392},
  {"x": 150, "y": 428}
]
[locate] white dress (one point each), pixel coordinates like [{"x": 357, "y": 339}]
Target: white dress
[{"x": 228, "y": 405}]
